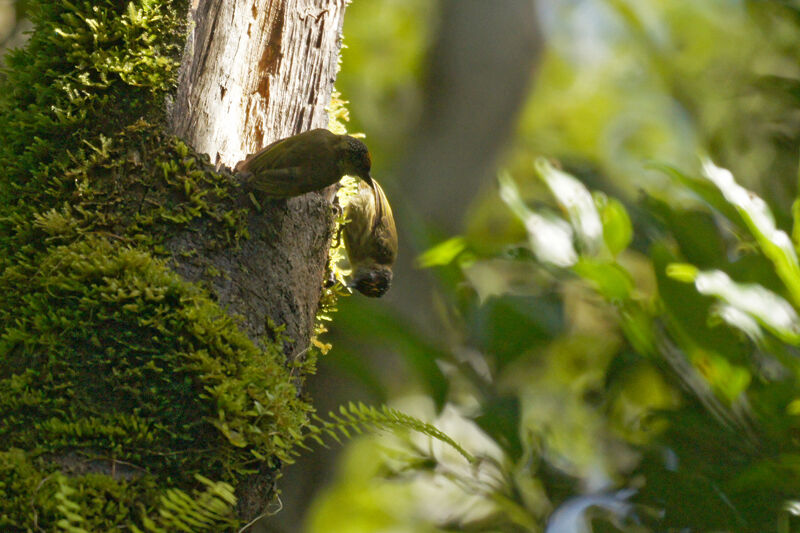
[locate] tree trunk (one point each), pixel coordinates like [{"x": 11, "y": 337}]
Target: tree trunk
[
  {"x": 152, "y": 312},
  {"x": 252, "y": 73}
]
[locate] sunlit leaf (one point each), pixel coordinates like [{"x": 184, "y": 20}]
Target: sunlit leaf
[
  {"x": 682, "y": 272},
  {"x": 578, "y": 514},
  {"x": 496, "y": 277},
  {"x": 793, "y": 408},
  {"x": 576, "y": 200},
  {"x": 550, "y": 237},
  {"x": 739, "y": 319},
  {"x": 442, "y": 254},
  {"x": 796, "y": 223},
  {"x": 775, "y": 313},
  {"x": 551, "y": 240},
  {"x": 637, "y": 325},
  {"x": 775, "y": 243},
  {"x": 727, "y": 379},
  {"x": 704, "y": 190}
]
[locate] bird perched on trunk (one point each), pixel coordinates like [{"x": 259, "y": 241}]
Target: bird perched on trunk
[
  {"x": 370, "y": 239},
  {"x": 306, "y": 162}
]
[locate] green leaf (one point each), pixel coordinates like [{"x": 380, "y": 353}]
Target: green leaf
[
  {"x": 796, "y": 223},
  {"x": 442, "y": 254},
  {"x": 511, "y": 326},
  {"x": 379, "y": 323},
  {"x": 704, "y": 190},
  {"x": 610, "y": 279},
  {"x": 637, "y": 325},
  {"x": 727, "y": 379},
  {"x": 357, "y": 417},
  {"x": 617, "y": 227},
  {"x": 682, "y": 272},
  {"x": 695, "y": 230},
  {"x": 500, "y": 418},
  {"x": 687, "y": 307}
]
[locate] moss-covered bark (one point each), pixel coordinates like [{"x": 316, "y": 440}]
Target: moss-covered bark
[{"x": 127, "y": 395}]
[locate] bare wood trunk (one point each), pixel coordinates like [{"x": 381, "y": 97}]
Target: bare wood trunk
[{"x": 255, "y": 71}]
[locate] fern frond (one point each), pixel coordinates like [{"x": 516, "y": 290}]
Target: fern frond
[
  {"x": 358, "y": 417},
  {"x": 209, "y": 510}
]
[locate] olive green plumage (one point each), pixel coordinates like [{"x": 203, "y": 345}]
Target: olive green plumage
[
  {"x": 306, "y": 162},
  {"x": 370, "y": 238}
]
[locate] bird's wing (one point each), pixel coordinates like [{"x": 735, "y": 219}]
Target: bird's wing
[
  {"x": 357, "y": 231},
  {"x": 280, "y": 154},
  {"x": 384, "y": 230},
  {"x": 295, "y": 151},
  {"x": 279, "y": 181},
  {"x": 292, "y": 166},
  {"x": 382, "y": 207}
]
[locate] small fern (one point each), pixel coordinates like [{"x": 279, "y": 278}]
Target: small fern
[
  {"x": 209, "y": 510},
  {"x": 356, "y": 417},
  {"x": 68, "y": 509}
]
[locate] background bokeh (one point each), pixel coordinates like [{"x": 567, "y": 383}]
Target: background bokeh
[
  {"x": 603, "y": 395},
  {"x": 13, "y": 24}
]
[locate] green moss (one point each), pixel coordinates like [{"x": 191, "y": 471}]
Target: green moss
[
  {"x": 140, "y": 187},
  {"x": 89, "y": 67},
  {"x": 113, "y": 355},
  {"x": 37, "y": 499},
  {"x": 107, "y": 357}
]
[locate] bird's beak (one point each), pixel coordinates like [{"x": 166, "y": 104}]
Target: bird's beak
[{"x": 369, "y": 181}]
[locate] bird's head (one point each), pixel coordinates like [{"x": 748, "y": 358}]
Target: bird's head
[
  {"x": 355, "y": 159},
  {"x": 373, "y": 281}
]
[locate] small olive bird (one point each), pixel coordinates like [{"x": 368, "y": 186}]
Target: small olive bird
[
  {"x": 370, "y": 239},
  {"x": 306, "y": 162}
]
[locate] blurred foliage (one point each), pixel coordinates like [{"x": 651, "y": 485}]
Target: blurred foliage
[
  {"x": 386, "y": 42},
  {"x": 665, "y": 397},
  {"x": 621, "y": 328}
]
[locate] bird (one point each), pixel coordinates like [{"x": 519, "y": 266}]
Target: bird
[
  {"x": 306, "y": 162},
  {"x": 370, "y": 240}
]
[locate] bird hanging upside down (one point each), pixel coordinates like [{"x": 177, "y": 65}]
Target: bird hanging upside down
[
  {"x": 306, "y": 162},
  {"x": 370, "y": 239}
]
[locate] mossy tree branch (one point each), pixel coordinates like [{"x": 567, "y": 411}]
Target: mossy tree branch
[{"x": 139, "y": 371}]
